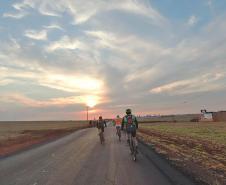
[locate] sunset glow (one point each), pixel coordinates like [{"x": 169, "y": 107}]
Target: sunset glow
[
  {"x": 91, "y": 101},
  {"x": 73, "y": 83},
  {"x": 65, "y": 56}
]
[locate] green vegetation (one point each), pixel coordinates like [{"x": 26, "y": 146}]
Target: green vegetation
[{"x": 211, "y": 131}]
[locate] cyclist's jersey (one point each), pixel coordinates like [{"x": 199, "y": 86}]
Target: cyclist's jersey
[
  {"x": 101, "y": 124},
  {"x": 118, "y": 122}
]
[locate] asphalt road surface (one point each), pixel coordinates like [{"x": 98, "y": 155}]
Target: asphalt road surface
[{"x": 80, "y": 159}]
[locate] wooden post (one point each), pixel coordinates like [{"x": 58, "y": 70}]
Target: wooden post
[{"x": 87, "y": 113}]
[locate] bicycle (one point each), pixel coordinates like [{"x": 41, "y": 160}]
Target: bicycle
[
  {"x": 118, "y": 133},
  {"x": 101, "y": 134},
  {"x": 133, "y": 147}
]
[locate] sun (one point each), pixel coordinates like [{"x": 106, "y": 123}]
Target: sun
[{"x": 91, "y": 101}]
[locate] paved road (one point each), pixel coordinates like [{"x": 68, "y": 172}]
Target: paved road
[{"x": 79, "y": 159}]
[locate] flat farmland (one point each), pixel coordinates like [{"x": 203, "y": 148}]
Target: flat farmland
[
  {"x": 15, "y": 136},
  {"x": 198, "y": 149}
]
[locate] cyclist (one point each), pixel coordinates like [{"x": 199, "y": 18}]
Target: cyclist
[
  {"x": 100, "y": 125},
  {"x": 118, "y": 122},
  {"x": 130, "y": 123}
]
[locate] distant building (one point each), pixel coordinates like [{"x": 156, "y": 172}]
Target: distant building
[
  {"x": 213, "y": 116},
  {"x": 206, "y": 116}
]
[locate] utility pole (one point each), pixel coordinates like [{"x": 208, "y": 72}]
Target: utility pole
[{"x": 87, "y": 113}]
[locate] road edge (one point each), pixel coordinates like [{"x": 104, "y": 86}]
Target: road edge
[{"x": 173, "y": 174}]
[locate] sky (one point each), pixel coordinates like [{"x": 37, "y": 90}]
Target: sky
[{"x": 153, "y": 56}]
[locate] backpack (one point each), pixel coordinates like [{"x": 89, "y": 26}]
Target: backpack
[{"x": 130, "y": 120}]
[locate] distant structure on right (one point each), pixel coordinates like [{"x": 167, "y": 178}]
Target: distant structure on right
[{"x": 212, "y": 116}]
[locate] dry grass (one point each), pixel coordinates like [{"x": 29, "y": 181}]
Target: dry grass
[
  {"x": 197, "y": 148},
  {"x": 15, "y": 129},
  {"x": 211, "y": 131},
  {"x": 15, "y": 136}
]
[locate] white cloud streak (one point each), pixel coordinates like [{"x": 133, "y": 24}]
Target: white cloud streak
[
  {"x": 36, "y": 35},
  {"x": 15, "y": 15},
  {"x": 82, "y": 11},
  {"x": 204, "y": 83},
  {"x": 20, "y": 10},
  {"x": 53, "y": 26},
  {"x": 192, "y": 20},
  {"x": 66, "y": 43}
]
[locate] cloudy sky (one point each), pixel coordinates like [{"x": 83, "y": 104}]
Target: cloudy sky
[{"x": 154, "y": 56}]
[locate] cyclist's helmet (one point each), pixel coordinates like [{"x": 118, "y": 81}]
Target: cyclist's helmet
[
  {"x": 128, "y": 111},
  {"x": 100, "y": 117}
]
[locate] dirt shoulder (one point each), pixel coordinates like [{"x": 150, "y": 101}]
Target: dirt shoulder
[
  {"x": 27, "y": 138},
  {"x": 200, "y": 157}
]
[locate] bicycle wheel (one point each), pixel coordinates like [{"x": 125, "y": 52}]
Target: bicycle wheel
[
  {"x": 101, "y": 138},
  {"x": 117, "y": 131},
  {"x": 119, "y": 136},
  {"x": 131, "y": 146},
  {"x": 134, "y": 152}
]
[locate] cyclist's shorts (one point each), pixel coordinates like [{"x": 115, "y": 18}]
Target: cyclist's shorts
[
  {"x": 118, "y": 126},
  {"x": 132, "y": 130}
]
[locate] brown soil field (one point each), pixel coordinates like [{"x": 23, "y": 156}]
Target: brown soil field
[
  {"x": 198, "y": 149},
  {"x": 16, "y": 136}
]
